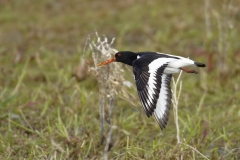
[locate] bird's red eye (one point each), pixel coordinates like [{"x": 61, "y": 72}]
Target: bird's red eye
[{"x": 119, "y": 54}]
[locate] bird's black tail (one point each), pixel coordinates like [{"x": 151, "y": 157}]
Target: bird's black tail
[{"x": 199, "y": 64}]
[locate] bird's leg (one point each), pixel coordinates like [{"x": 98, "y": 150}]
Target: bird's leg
[{"x": 188, "y": 70}]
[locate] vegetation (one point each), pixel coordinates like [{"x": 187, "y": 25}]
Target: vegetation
[{"x": 49, "y": 103}]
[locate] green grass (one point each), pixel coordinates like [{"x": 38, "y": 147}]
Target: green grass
[{"x": 46, "y": 113}]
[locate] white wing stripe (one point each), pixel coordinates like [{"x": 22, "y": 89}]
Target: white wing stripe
[
  {"x": 150, "y": 94},
  {"x": 153, "y": 67},
  {"x": 162, "y": 103}
]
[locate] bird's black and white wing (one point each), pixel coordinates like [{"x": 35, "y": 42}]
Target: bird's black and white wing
[{"x": 154, "y": 87}]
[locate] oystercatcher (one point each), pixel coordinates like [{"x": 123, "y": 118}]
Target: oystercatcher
[{"x": 152, "y": 73}]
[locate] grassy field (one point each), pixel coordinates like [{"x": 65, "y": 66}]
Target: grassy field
[{"x": 48, "y": 112}]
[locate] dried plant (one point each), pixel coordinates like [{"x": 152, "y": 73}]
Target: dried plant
[
  {"x": 176, "y": 92},
  {"x": 110, "y": 81},
  {"x": 175, "y": 98}
]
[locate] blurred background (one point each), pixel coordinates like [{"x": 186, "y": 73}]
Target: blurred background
[{"x": 48, "y": 111}]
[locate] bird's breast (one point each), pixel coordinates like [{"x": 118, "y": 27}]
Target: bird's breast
[{"x": 169, "y": 70}]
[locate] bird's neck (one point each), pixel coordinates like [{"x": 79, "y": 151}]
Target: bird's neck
[{"x": 130, "y": 59}]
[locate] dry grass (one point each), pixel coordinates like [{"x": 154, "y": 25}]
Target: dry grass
[{"x": 110, "y": 82}]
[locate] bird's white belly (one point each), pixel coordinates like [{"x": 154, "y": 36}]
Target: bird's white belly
[
  {"x": 169, "y": 70},
  {"x": 184, "y": 62}
]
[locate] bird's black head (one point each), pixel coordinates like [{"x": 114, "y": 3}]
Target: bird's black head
[{"x": 126, "y": 57}]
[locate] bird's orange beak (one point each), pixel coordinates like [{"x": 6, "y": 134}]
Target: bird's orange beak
[{"x": 107, "y": 62}]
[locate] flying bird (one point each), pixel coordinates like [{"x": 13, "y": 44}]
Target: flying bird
[{"x": 152, "y": 74}]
